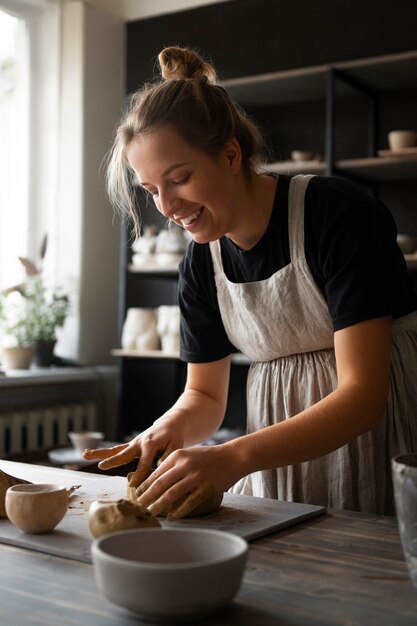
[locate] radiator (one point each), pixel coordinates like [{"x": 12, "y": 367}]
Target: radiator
[{"x": 44, "y": 427}]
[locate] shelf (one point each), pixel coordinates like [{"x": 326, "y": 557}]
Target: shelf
[
  {"x": 372, "y": 169},
  {"x": 237, "y": 359},
  {"x": 154, "y": 269},
  {"x": 400, "y": 167},
  {"x": 296, "y": 167},
  {"x": 145, "y": 354},
  {"x": 383, "y": 73}
]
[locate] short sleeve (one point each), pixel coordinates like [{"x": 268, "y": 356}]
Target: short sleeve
[
  {"x": 352, "y": 252},
  {"x": 203, "y": 337}
]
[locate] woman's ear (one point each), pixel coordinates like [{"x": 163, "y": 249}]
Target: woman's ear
[{"x": 233, "y": 155}]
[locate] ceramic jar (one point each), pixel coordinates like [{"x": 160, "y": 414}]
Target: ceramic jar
[
  {"x": 171, "y": 245},
  {"x": 169, "y": 327},
  {"x": 140, "y": 329},
  {"x": 144, "y": 247}
]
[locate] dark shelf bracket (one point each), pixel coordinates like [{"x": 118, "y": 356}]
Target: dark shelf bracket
[{"x": 333, "y": 75}]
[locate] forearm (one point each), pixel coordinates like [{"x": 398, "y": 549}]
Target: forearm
[
  {"x": 322, "y": 428},
  {"x": 200, "y": 409},
  {"x": 196, "y": 414}
]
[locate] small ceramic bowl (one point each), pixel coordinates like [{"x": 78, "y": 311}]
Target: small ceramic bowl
[
  {"x": 302, "y": 155},
  {"x": 407, "y": 243},
  {"x": 169, "y": 573},
  {"x": 86, "y": 439},
  {"x": 36, "y": 509},
  {"x": 400, "y": 139}
]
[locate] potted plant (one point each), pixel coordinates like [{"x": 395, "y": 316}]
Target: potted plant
[
  {"x": 18, "y": 348},
  {"x": 47, "y": 311},
  {"x": 43, "y": 312}
]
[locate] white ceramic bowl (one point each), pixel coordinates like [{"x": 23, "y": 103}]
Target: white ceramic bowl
[
  {"x": 85, "y": 439},
  {"x": 302, "y": 155},
  {"x": 400, "y": 139},
  {"x": 169, "y": 573},
  {"x": 407, "y": 243},
  {"x": 36, "y": 509}
]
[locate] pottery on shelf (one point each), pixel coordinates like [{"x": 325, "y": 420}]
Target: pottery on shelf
[
  {"x": 400, "y": 139},
  {"x": 303, "y": 155},
  {"x": 407, "y": 243},
  {"x": 140, "y": 329},
  {"x": 171, "y": 245},
  {"x": 144, "y": 247},
  {"x": 169, "y": 327}
]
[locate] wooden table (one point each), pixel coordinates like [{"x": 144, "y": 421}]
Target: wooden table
[{"x": 341, "y": 568}]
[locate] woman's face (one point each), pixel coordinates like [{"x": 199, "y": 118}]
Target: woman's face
[{"x": 197, "y": 191}]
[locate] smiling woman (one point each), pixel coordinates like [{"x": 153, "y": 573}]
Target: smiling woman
[{"x": 288, "y": 271}]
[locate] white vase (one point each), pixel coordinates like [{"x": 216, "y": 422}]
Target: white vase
[
  {"x": 169, "y": 327},
  {"x": 140, "y": 329}
]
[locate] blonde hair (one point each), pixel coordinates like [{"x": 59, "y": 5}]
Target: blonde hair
[{"x": 188, "y": 97}]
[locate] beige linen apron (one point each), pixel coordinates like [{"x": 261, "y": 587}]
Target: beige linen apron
[{"x": 283, "y": 325}]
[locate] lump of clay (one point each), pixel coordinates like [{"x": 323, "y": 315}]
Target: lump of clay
[
  {"x": 108, "y": 517},
  {"x": 210, "y": 505},
  {"x": 7, "y": 481}
]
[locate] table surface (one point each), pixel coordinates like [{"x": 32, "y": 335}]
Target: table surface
[{"x": 341, "y": 568}]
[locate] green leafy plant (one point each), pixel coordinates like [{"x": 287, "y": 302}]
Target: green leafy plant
[
  {"x": 30, "y": 311},
  {"x": 16, "y": 326}
]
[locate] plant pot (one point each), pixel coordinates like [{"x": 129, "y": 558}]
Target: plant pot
[
  {"x": 43, "y": 355},
  {"x": 17, "y": 358}
]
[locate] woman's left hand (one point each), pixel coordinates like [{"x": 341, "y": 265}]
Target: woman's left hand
[{"x": 199, "y": 471}]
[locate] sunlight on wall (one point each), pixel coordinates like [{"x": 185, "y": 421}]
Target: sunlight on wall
[{"x": 13, "y": 148}]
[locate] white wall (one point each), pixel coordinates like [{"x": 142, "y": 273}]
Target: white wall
[
  {"x": 92, "y": 90},
  {"x": 131, "y": 10},
  {"x": 139, "y": 9}
]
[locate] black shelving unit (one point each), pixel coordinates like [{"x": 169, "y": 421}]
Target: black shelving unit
[{"x": 150, "y": 383}]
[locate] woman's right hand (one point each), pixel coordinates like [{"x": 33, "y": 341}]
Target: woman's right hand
[{"x": 150, "y": 447}]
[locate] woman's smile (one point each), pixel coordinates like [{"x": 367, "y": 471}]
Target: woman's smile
[{"x": 190, "y": 221}]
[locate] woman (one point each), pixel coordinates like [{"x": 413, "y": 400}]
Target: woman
[{"x": 301, "y": 274}]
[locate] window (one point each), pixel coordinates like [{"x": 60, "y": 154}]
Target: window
[
  {"x": 29, "y": 109},
  {"x": 14, "y": 82}
]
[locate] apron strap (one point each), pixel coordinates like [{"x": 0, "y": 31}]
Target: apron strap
[{"x": 298, "y": 186}]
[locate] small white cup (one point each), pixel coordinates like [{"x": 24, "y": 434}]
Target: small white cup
[
  {"x": 400, "y": 139},
  {"x": 85, "y": 439},
  {"x": 303, "y": 155}
]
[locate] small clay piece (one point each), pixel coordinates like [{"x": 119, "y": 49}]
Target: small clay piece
[
  {"x": 7, "y": 481},
  {"x": 110, "y": 516},
  {"x": 210, "y": 505}
]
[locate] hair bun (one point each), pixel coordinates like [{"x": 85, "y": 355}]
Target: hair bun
[{"x": 181, "y": 63}]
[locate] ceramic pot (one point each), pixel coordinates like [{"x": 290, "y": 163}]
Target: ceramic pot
[
  {"x": 400, "y": 139},
  {"x": 43, "y": 355},
  {"x": 169, "y": 327},
  {"x": 404, "y": 473},
  {"x": 17, "y": 358},
  {"x": 140, "y": 330},
  {"x": 303, "y": 155},
  {"x": 86, "y": 439},
  {"x": 36, "y": 509}
]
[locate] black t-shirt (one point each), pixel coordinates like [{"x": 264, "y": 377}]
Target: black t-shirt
[{"x": 350, "y": 248}]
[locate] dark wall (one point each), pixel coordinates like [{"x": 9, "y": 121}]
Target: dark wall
[{"x": 250, "y": 36}]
